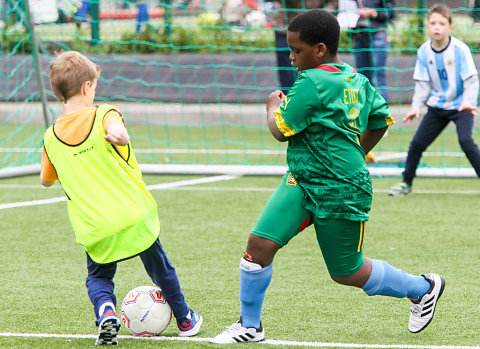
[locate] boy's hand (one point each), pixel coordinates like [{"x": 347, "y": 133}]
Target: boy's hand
[
  {"x": 412, "y": 114},
  {"x": 275, "y": 99},
  {"x": 367, "y": 12},
  {"x": 273, "y": 102},
  {"x": 117, "y": 134},
  {"x": 468, "y": 108}
]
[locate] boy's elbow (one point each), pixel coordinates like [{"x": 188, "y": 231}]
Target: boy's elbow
[
  {"x": 280, "y": 137},
  {"x": 276, "y": 133},
  {"x": 47, "y": 183}
]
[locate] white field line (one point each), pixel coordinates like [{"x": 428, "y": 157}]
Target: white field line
[
  {"x": 32, "y": 203},
  {"x": 151, "y": 187},
  {"x": 268, "y": 341}
]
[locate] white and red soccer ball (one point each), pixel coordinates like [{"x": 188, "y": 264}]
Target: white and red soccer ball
[{"x": 145, "y": 312}]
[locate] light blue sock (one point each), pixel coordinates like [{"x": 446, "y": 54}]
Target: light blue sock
[
  {"x": 386, "y": 280},
  {"x": 253, "y": 285}
]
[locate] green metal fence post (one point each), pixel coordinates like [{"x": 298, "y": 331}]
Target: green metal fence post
[
  {"x": 421, "y": 10},
  {"x": 36, "y": 61},
  {"x": 476, "y": 11},
  {"x": 95, "y": 13}
]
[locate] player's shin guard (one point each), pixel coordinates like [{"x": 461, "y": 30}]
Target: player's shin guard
[
  {"x": 386, "y": 280},
  {"x": 254, "y": 281}
]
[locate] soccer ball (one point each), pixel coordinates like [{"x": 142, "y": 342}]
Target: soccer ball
[{"x": 145, "y": 312}]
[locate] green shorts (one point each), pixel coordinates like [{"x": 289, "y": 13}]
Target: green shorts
[{"x": 284, "y": 216}]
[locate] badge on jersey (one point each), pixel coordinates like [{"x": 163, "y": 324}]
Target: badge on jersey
[{"x": 291, "y": 180}]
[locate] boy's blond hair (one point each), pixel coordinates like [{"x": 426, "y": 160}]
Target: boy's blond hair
[
  {"x": 68, "y": 71},
  {"x": 443, "y": 10}
]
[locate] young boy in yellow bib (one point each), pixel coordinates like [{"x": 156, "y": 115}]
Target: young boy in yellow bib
[{"x": 113, "y": 215}]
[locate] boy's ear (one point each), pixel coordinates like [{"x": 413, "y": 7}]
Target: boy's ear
[
  {"x": 321, "y": 50},
  {"x": 85, "y": 86}
]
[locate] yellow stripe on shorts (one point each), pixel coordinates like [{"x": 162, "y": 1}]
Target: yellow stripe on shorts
[{"x": 362, "y": 235}]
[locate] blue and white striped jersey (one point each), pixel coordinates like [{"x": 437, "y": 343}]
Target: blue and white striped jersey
[{"x": 446, "y": 70}]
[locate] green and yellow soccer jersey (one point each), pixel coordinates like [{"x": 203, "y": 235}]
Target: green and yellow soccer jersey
[{"x": 324, "y": 114}]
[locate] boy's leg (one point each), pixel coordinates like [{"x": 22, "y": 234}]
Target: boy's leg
[
  {"x": 363, "y": 56},
  {"x": 380, "y": 46},
  {"x": 423, "y": 291},
  {"x": 255, "y": 279},
  {"x": 164, "y": 275},
  {"x": 100, "y": 288},
  {"x": 341, "y": 242},
  {"x": 282, "y": 218},
  {"x": 286, "y": 73},
  {"x": 430, "y": 127},
  {"x": 464, "y": 122},
  {"x": 100, "y": 284}
]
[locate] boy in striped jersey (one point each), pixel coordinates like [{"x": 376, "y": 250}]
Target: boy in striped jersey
[{"x": 446, "y": 80}]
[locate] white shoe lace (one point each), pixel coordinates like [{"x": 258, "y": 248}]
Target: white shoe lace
[
  {"x": 236, "y": 327},
  {"x": 416, "y": 309}
]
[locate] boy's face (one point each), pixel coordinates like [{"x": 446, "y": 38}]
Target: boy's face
[
  {"x": 438, "y": 27},
  {"x": 302, "y": 54}
]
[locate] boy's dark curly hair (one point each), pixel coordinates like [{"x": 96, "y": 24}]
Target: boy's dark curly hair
[{"x": 317, "y": 26}]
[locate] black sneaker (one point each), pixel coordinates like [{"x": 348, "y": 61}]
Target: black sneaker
[{"x": 108, "y": 327}]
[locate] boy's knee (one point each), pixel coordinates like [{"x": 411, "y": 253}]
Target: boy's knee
[
  {"x": 418, "y": 144},
  {"x": 466, "y": 143},
  {"x": 261, "y": 250},
  {"x": 342, "y": 280}
]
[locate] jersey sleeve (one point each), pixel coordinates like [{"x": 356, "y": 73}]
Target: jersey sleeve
[
  {"x": 380, "y": 116},
  {"x": 48, "y": 172},
  {"x": 292, "y": 116},
  {"x": 421, "y": 67},
  {"x": 466, "y": 65},
  {"x": 109, "y": 118}
]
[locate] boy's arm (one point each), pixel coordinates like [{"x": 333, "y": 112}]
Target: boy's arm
[
  {"x": 273, "y": 102},
  {"x": 421, "y": 93},
  {"x": 370, "y": 138},
  {"x": 470, "y": 94},
  {"x": 115, "y": 130},
  {"x": 420, "y": 96},
  {"x": 48, "y": 175},
  {"x": 46, "y": 183}
]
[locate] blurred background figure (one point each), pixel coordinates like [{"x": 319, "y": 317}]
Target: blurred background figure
[
  {"x": 82, "y": 12},
  {"x": 142, "y": 15},
  {"x": 371, "y": 42},
  {"x": 243, "y": 13},
  {"x": 283, "y": 13}
]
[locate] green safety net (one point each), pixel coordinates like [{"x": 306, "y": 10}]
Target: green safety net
[{"x": 192, "y": 78}]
